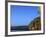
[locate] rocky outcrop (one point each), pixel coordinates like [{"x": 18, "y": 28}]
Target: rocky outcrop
[{"x": 35, "y": 24}]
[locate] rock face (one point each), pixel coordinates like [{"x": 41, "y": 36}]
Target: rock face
[{"x": 35, "y": 24}]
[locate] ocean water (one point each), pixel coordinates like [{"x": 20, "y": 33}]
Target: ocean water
[{"x": 19, "y": 28}]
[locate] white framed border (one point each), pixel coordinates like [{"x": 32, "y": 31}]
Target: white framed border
[{"x": 24, "y": 32}]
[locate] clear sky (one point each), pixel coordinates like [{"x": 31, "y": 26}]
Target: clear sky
[{"x": 23, "y": 15}]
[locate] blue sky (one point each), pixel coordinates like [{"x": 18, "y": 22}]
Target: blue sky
[{"x": 23, "y": 15}]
